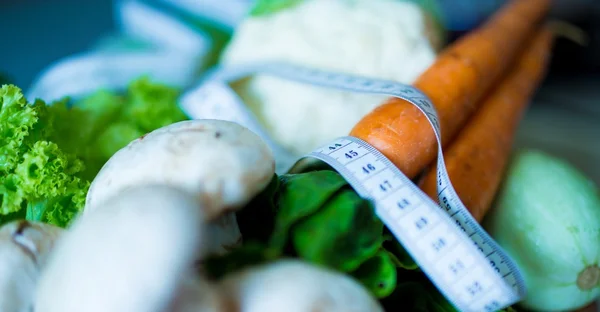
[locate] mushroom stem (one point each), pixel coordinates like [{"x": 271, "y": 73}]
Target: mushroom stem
[
  {"x": 24, "y": 249},
  {"x": 131, "y": 255}
]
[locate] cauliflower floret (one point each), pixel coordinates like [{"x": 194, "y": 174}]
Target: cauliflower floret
[{"x": 385, "y": 39}]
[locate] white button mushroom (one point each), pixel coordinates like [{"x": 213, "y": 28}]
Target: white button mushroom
[
  {"x": 295, "y": 286},
  {"x": 24, "y": 249},
  {"x": 133, "y": 254},
  {"x": 220, "y": 160}
]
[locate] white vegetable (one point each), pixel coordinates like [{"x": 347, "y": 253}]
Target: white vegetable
[
  {"x": 24, "y": 249},
  {"x": 547, "y": 218},
  {"x": 134, "y": 254},
  {"x": 219, "y": 161},
  {"x": 386, "y": 39},
  {"x": 295, "y": 286}
]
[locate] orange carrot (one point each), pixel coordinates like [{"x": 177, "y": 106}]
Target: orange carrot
[
  {"x": 477, "y": 158},
  {"x": 462, "y": 74}
]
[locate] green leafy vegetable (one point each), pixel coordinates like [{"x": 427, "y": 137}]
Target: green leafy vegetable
[
  {"x": 316, "y": 216},
  {"x": 378, "y": 274},
  {"x": 300, "y": 196},
  {"x": 266, "y": 7},
  {"x": 50, "y": 153},
  {"x": 38, "y": 179},
  {"x": 108, "y": 120},
  {"x": 343, "y": 234},
  {"x": 151, "y": 106}
]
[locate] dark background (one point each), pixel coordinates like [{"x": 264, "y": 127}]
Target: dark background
[{"x": 37, "y": 32}]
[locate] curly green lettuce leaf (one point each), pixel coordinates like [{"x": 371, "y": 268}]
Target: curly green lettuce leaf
[
  {"x": 43, "y": 148},
  {"x": 152, "y": 105},
  {"x": 17, "y": 118},
  {"x": 267, "y": 7},
  {"x": 39, "y": 180},
  {"x": 109, "y": 120},
  {"x": 49, "y": 177},
  {"x": 76, "y": 128}
]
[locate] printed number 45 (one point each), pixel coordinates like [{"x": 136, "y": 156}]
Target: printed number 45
[{"x": 351, "y": 154}]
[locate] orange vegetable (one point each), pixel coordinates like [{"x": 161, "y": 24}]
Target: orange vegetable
[
  {"x": 462, "y": 74},
  {"x": 476, "y": 159}
]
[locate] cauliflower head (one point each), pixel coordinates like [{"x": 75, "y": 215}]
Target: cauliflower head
[{"x": 384, "y": 39}]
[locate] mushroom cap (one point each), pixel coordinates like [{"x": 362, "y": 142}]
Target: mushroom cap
[
  {"x": 129, "y": 255},
  {"x": 24, "y": 249},
  {"x": 295, "y": 286},
  {"x": 220, "y": 159}
]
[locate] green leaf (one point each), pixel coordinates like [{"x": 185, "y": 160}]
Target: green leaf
[
  {"x": 40, "y": 180},
  {"x": 152, "y": 105},
  {"x": 267, "y": 7},
  {"x": 300, "y": 196},
  {"x": 48, "y": 177},
  {"x": 97, "y": 126},
  {"x": 115, "y": 137},
  {"x": 17, "y": 118},
  {"x": 378, "y": 274},
  {"x": 76, "y": 128},
  {"x": 343, "y": 234}
]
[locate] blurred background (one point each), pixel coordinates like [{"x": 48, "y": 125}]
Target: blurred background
[
  {"x": 40, "y": 34},
  {"x": 43, "y": 31}
]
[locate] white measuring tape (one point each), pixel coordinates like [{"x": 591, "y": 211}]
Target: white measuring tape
[{"x": 449, "y": 246}]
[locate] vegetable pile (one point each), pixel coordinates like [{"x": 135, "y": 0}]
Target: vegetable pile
[
  {"x": 391, "y": 39},
  {"x": 120, "y": 202},
  {"x": 52, "y": 151}
]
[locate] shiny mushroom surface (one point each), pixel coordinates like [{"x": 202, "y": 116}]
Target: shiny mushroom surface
[
  {"x": 294, "y": 286},
  {"x": 221, "y": 162},
  {"x": 133, "y": 254}
]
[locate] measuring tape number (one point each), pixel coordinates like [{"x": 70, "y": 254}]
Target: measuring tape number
[{"x": 450, "y": 247}]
